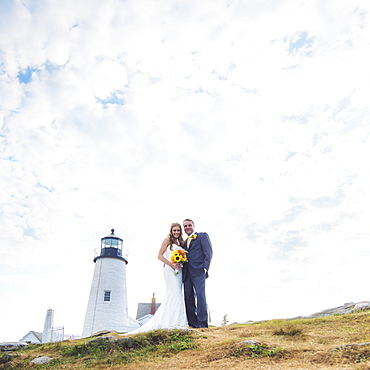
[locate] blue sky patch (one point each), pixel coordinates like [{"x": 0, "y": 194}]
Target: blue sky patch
[
  {"x": 113, "y": 99},
  {"x": 10, "y": 158},
  {"x": 30, "y": 232},
  {"x": 25, "y": 76},
  {"x": 302, "y": 41}
]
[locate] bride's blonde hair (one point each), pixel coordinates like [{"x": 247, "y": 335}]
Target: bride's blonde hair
[{"x": 172, "y": 239}]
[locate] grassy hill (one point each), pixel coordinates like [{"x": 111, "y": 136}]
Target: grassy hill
[{"x": 335, "y": 342}]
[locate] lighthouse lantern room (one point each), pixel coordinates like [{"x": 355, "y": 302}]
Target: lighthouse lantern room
[
  {"x": 111, "y": 246},
  {"x": 107, "y": 308}
]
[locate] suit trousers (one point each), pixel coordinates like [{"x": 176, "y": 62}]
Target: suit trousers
[{"x": 195, "y": 300}]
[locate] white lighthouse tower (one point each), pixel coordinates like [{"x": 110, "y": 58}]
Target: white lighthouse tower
[
  {"x": 108, "y": 308},
  {"x": 47, "y": 334}
]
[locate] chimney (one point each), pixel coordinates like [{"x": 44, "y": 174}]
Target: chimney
[{"x": 153, "y": 306}]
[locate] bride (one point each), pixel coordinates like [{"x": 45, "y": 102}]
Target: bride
[{"x": 171, "y": 313}]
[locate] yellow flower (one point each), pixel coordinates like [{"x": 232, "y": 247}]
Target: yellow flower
[
  {"x": 176, "y": 257},
  {"x": 194, "y": 236}
]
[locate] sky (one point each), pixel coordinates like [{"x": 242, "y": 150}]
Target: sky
[{"x": 250, "y": 117}]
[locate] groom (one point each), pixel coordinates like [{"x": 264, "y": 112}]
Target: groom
[{"x": 195, "y": 272}]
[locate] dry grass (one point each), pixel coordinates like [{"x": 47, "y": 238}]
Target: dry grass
[{"x": 280, "y": 344}]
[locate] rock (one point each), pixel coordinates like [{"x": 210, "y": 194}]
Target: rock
[
  {"x": 349, "y": 346},
  {"x": 123, "y": 342},
  {"x": 12, "y": 346},
  {"x": 341, "y": 310},
  {"x": 365, "y": 305},
  {"x": 41, "y": 360},
  {"x": 99, "y": 340},
  {"x": 6, "y": 358},
  {"x": 250, "y": 343},
  {"x": 100, "y": 333}
]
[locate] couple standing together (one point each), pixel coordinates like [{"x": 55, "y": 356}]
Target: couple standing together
[{"x": 189, "y": 309}]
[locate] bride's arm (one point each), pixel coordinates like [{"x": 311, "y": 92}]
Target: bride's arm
[{"x": 162, "y": 251}]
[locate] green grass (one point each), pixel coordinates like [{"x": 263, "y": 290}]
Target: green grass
[
  {"x": 82, "y": 354},
  {"x": 256, "y": 350},
  {"x": 327, "y": 343}
]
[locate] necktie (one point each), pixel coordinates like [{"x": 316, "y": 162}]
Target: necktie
[{"x": 188, "y": 242}]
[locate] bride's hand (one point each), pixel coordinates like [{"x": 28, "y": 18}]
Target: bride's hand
[{"x": 175, "y": 266}]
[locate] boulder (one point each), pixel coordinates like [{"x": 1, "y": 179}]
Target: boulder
[
  {"x": 99, "y": 340},
  {"x": 41, "y": 360},
  {"x": 123, "y": 342},
  {"x": 250, "y": 343}
]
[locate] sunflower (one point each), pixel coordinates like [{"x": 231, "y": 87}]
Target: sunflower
[{"x": 176, "y": 257}]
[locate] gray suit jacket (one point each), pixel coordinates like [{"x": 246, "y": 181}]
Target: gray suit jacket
[{"x": 199, "y": 255}]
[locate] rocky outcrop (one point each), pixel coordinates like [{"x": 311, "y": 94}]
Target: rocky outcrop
[
  {"x": 122, "y": 342},
  {"x": 341, "y": 310},
  {"x": 100, "y": 340},
  {"x": 12, "y": 346}
]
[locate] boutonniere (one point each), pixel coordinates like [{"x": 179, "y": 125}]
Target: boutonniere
[{"x": 194, "y": 236}]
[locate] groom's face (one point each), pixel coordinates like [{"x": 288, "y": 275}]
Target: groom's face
[{"x": 188, "y": 227}]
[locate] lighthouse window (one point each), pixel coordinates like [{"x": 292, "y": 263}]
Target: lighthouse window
[
  {"x": 106, "y": 295},
  {"x": 107, "y": 243}
]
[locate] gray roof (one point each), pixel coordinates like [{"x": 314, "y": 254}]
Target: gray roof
[
  {"x": 36, "y": 334},
  {"x": 144, "y": 309}
]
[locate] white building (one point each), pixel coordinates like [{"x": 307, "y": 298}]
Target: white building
[
  {"x": 107, "y": 308},
  {"x": 32, "y": 337},
  {"x": 47, "y": 334},
  {"x": 50, "y": 333}
]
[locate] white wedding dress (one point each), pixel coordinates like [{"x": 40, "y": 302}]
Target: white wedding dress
[{"x": 171, "y": 313}]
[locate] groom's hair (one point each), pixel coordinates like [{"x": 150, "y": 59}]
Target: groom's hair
[{"x": 188, "y": 219}]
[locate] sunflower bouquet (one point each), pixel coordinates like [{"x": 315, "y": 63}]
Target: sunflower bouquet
[{"x": 178, "y": 256}]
